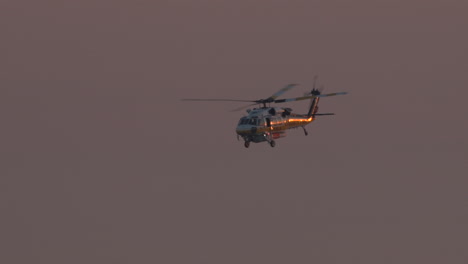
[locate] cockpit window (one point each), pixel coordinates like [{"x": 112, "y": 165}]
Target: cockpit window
[
  {"x": 243, "y": 121},
  {"x": 252, "y": 121}
]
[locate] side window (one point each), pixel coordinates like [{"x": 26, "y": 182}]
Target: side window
[
  {"x": 280, "y": 120},
  {"x": 275, "y": 121}
]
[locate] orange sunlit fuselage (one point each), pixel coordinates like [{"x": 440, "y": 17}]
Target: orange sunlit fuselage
[{"x": 266, "y": 124}]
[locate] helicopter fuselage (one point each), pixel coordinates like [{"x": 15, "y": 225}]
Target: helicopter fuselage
[{"x": 267, "y": 124}]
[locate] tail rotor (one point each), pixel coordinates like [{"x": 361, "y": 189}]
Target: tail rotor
[
  {"x": 313, "y": 107},
  {"x": 314, "y": 91}
]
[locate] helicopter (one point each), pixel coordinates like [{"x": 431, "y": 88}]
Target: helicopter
[{"x": 266, "y": 123}]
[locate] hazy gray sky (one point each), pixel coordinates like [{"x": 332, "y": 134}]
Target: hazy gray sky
[{"x": 102, "y": 163}]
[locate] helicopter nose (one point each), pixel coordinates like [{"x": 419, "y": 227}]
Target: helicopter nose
[{"x": 245, "y": 130}]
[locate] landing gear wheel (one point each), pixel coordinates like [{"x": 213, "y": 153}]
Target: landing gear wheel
[
  {"x": 246, "y": 144},
  {"x": 272, "y": 143}
]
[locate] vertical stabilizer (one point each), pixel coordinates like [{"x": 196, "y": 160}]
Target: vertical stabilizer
[{"x": 313, "y": 103}]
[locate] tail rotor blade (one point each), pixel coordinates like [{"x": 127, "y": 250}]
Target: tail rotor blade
[
  {"x": 315, "y": 82},
  {"x": 321, "y": 88}
]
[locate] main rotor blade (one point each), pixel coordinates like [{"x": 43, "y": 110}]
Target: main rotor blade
[
  {"x": 218, "y": 100},
  {"x": 243, "y": 107},
  {"x": 306, "y": 97},
  {"x": 280, "y": 92}
]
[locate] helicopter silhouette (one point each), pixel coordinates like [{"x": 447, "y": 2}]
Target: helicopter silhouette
[{"x": 266, "y": 123}]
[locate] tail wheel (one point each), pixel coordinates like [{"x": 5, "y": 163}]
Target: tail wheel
[
  {"x": 272, "y": 143},
  {"x": 247, "y": 144}
]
